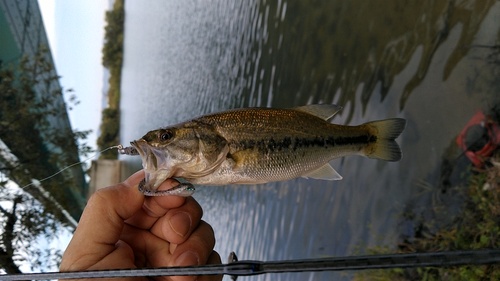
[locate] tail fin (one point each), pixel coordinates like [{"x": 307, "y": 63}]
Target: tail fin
[{"x": 386, "y": 131}]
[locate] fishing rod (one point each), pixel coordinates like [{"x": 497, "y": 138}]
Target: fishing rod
[{"x": 236, "y": 268}]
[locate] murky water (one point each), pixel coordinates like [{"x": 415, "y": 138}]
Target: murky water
[{"x": 420, "y": 60}]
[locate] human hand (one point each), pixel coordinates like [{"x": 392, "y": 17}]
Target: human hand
[{"x": 121, "y": 228}]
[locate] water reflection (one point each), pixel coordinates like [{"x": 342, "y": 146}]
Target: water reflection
[
  {"x": 337, "y": 45},
  {"x": 378, "y": 59}
]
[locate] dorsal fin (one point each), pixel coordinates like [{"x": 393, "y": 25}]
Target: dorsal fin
[{"x": 323, "y": 111}]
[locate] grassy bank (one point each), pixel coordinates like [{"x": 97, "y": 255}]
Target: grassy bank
[
  {"x": 112, "y": 58},
  {"x": 476, "y": 227}
]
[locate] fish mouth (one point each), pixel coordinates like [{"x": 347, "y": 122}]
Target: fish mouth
[{"x": 154, "y": 164}]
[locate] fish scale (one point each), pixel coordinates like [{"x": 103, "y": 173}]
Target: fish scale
[{"x": 259, "y": 145}]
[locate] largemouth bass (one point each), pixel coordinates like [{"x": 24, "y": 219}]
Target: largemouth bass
[{"x": 259, "y": 145}]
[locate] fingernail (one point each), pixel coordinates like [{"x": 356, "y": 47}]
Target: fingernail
[
  {"x": 187, "y": 258},
  {"x": 180, "y": 223}
]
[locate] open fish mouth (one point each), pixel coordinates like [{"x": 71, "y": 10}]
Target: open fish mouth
[{"x": 154, "y": 164}]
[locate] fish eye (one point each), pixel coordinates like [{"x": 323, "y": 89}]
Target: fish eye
[{"x": 166, "y": 135}]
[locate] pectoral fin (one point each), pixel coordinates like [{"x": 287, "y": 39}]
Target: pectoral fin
[{"x": 325, "y": 172}]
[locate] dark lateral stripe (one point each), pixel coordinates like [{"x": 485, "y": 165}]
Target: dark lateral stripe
[{"x": 296, "y": 143}]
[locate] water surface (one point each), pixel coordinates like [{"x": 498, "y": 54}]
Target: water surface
[{"x": 378, "y": 59}]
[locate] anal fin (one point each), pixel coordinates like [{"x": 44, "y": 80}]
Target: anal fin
[{"x": 325, "y": 172}]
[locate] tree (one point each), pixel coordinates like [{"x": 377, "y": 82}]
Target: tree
[
  {"x": 112, "y": 57},
  {"x": 35, "y": 141},
  {"x": 22, "y": 224},
  {"x": 113, "y": 36},
  {"x": 110, "y": 129}
]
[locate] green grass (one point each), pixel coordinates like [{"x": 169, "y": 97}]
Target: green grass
[{"x": 477, "y": 227}]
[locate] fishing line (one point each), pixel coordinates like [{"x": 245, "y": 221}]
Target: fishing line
[{"x": 72, "y": 165}]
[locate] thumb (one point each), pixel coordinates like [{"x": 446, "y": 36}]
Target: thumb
[{"x": 101, "y": 224}]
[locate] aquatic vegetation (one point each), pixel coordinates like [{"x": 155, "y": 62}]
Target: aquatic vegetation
[{"x": 477, "y": 227}]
